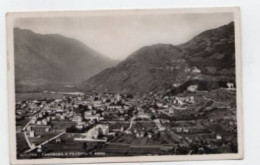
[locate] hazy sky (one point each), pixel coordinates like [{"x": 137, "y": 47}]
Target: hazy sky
[{"x": 119, "y": 36}]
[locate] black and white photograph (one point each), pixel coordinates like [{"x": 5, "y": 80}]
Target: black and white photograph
[{"x": 124, "y": 85}]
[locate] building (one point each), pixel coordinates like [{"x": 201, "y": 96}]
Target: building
[
  {"x": 118, "y": 97},
  {"x": 87, "y": 113},
  {"x": 171, "y": 111},
  {"x": 196, "y": 70},
  {"x": 29, "y": 128},
  {"x": 62, "y": 117},
  {"x": 230, "y": 85},
  {"x": 114, "y": 106},
  {"x": 39, "y": 122},
  {"x": 44, "y": 122},
  {"x": 179, "y": 129},
  {"x": 31, "y": 134},
  {"x": 144, "y": 115},
  {"x": 80, "y": 126},
  {"x": 77, "y": 119},
  {"x": 33, "y": 121},
  {"x": 149, "y": 135},
  {"x": 218, "y": 137},
  {"x": 192, "y": 88}
]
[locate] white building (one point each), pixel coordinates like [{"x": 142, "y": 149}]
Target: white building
[
  {"x": 77, "y": 119},
  {"x": 193, "y": 88},
  {"x": 230, "y": 85},
  {"x": 44, "y": 122},
  {"x": 218, "y": 137},
  {"x": 196, "y": 70},
  {"x": 31, "y": 134}
]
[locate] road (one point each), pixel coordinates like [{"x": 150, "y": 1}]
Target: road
[
  {"x": 131, "y": 123},
  {"x": 24, "y": 128},
  {"x": 27, "y": 140}
]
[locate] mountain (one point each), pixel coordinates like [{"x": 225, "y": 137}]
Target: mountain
[
  {"x": 52, "y": 60},
  {"x": 208, "y": 60},
  {"x": 213, "y": 51}
]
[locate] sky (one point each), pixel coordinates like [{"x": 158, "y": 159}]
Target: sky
[{"x": 117, "y": 36}]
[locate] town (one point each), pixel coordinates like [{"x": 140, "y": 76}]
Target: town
[{"x": 113, "y": 124}]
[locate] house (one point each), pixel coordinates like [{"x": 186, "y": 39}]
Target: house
[
  {"x": 33, "y": 121},
  {"x": 47, "y": 129},
  {"x": 20, "y": 112},
  {"x": 192, "y": 88},
  {"x": 114, "y": 106},
  {"x": 87, "y": 113},
  {"x": 39, "y": 150},
  {"x": 176, "y": 85},
  {"x": 185, "y": 130},
  {"x": 58, "y": 140},
  {"x": 196, "y": 70},
  {"x": 150, "y": 135},
  {"x": 144, "y": 115},
  {"x": 179, "y": 101},
  {"x": 97, "y": 103},
  {"x": 171, "y": 111},
  {"x": 44, "y": 122},
  {"x": 191, "y": 99},
  {"x": 179, "y": 129},
  {"x": 62, "y": 117},
  {"x": 77, "y": 119},
  {"x": 230, "y": 85},
  {"x": 118, "y": 97},
  {"x": 218, "y": 137},
  {"x": 80, "y": 126},
  {"x": 31, "y": 134},
  {"x": 141, "y": 134},
  {"x": 159, "y": 104},
  {"x": 92, "y": 115}
]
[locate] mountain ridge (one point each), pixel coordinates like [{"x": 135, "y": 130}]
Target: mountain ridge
[
  {"x": 52, "y": 58},
  {"x": 208, "y": 56}
]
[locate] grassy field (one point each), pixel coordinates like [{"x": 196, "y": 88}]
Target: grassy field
[
  {"x": 21, "y": 143},
  {"x": 22, "y": 122}
]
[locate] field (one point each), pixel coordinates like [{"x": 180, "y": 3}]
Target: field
[
  {"x": 21, "y": 143},
  {"x": 36, "y": 96}
]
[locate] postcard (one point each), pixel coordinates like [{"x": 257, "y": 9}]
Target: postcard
[{"x": 124, "y": 85}]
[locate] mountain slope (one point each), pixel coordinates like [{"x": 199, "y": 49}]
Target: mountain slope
[
  {"x": 148, "y": 68},
  {"x": 210, "y": 56},
  {"x": 49, "y": 59},
  {"x": 213, "y": 51}
]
